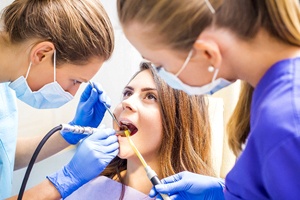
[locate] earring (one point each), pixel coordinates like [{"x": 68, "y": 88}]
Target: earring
[{"x": 211, "y": 68}]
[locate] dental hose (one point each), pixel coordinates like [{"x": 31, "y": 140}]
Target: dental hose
[
  {"x": 33, "y": 158},
  {"x": 150, "y": 172},
  {"x": 63, "y": 127}
]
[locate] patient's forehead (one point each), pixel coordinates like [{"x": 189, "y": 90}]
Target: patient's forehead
[{"x": 142, "y": 79}]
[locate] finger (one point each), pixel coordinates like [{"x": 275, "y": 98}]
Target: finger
[
  {"x": 105, "y": 99},
  {"x": 100, "y": 134},
  {"x": 98, "y": 87},
  {"x": 172, "y": 179},
  {"x": 86, "y": 93},
  {"x": 152, "y": 193},
  {"x": 170, "y": 188},
  {"x": 109, "y": 140},
  {"x": 91, "y": 101},
  {"x": 112, "y": 149},
  {"x": 176, "y": 196}
]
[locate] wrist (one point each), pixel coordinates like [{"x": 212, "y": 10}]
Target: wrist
[{"x": 65, "y": 182}]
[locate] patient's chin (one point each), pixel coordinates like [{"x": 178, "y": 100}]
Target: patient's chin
[{"x": 125, "y": 152}]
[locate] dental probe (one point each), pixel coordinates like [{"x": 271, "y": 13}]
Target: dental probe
[
  {"x": 111, "y": 114},
  {"x": 150, "y": 172}
]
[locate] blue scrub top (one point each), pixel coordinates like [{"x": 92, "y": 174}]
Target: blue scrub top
[
  {"x": 8, "y": 138},
  {"x": 269, "y": 166}
]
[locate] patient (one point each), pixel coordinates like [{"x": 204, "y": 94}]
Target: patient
[{"x": 170, "y": 129}]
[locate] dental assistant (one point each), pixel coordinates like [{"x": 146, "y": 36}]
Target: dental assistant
[
  {"x": 48, "y": 48},
  {"x": 201, "y": 46}
]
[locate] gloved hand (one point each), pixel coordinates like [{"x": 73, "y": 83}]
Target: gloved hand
[
  {"x": 187, "y": 185},
  {"x": 91, "y": 158},
  {"x": 90, "y": 111}
]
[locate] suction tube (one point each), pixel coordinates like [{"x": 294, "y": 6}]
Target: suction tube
[{"x": 63, "y": 127}]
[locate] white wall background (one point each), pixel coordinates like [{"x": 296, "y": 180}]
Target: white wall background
[{"x": 113, "y": 76}]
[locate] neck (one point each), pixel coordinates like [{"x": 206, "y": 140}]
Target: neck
[
  {"x": 268, "y": 51},
  {"x": 249, "y": 60},
  {"x": 12, "y": 60},
  {"x": 136, "y": 176}
]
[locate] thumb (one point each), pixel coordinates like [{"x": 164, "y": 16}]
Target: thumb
[
  {"x": 91, "y": 100},
  {"x": 170, "y": 188}
]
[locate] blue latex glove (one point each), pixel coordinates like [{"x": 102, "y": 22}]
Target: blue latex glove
[
  {"x": 187, "y": 185},
  {"x": 91, "y": 158},
  {"x": 90, "y": 111}
]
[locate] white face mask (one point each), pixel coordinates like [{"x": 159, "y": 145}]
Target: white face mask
[
  {"x": 175, "y": 82},
  {"x": 51, "y": 95}
]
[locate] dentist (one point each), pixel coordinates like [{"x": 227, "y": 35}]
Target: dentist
[{"x": 48, "y": 48}]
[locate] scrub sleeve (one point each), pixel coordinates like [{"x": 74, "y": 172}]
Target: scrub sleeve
[
  {"x": 8, "y": 138},
  {"x": 269, "y": 166}
]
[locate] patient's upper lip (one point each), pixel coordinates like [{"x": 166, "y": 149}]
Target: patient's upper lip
[{"x": 125, "y": 121}]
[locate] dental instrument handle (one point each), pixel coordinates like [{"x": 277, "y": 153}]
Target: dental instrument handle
[
  {"x": 150, "y": 172},
  {"x": 136, "y": 151},
  {"x": 155, "y": 180},
  {"x": 107, "y": 108},
  {"x": 112, "y": 115},
  {"x": 77, "y": 129}
]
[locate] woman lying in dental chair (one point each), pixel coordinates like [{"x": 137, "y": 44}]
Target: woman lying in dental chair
[{"x": 169, "y": 128}]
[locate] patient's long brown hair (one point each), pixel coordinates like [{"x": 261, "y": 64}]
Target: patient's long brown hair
[{"x": 186, "y": 129}]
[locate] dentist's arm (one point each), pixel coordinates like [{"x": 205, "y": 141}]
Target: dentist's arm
[
  {"x": 27, "y": 145},
  {"x": 91, "y": 158},
  {"x": 90, "y": 112}
]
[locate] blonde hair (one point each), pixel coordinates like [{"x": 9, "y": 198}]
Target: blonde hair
[
  {"x": 186, "y": 127},
  {"x": 179, "y": 23},
  {"x": 79, "y": 29},
  {"x": 238, "y": 126}
]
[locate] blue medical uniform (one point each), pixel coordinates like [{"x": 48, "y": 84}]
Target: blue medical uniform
[
  {"x": 8, "y": 138},
  {"x": 269, "y": 166}
]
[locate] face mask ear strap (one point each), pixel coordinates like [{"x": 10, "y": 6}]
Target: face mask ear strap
[
  {"x": 188, "y": 58},
  {"x": 29, "y": 67},
  {"x": 54, "y": 64},
  {"x": 215, "y": 75}
]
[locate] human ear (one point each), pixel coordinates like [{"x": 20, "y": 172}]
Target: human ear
[
  {"x": 42, "y": 52},
  {"x": 209, "y": 51}
]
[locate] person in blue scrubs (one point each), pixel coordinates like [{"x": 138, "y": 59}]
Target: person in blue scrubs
[
  {"x": 48, "y": 48},
  {"x": 201, "y": 46}
]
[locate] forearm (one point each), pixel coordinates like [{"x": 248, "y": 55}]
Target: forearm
[
  {"x": 42, "y": 191},
  {"x": 27, "y": 145}
]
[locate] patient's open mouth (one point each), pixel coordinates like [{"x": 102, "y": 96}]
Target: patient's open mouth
[{"x": 130, "y": 127}]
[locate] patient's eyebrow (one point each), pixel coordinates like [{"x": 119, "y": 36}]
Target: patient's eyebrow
[
  {"x": 148, "y": 89},
  {"x": 129, "y": 88}
]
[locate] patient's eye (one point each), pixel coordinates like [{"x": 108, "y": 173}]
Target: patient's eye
[
  {"x": 76, "y": 82},
  {"x": 151, "y": 96},
  {"x": 127, "y": 93}
]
